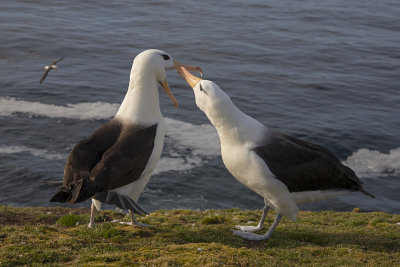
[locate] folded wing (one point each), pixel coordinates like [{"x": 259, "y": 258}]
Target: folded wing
[
  {"x": 304, "y": 166},
  {"x": 113, "y": 156}
]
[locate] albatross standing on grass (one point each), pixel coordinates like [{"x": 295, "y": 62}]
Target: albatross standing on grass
[
  {"x": 282, "y": 169},
  {"x": 114, "y": 164}
]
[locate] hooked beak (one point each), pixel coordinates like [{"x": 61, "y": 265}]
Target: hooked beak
[
  {"x": 179, "y": 67},
  {"x": 184, "y": 71}
]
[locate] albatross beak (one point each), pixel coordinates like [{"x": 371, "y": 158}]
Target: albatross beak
[
  {"x": 183, "y": 70},
  {"x": 179, "y": 68},
  {"x": 165, "y": 86}
]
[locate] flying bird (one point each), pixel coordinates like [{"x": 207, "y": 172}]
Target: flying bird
[
  {"x": 48, "y": 68},
  {"x": 114, "y": 164},
  {"x": 284, "y": 170}
]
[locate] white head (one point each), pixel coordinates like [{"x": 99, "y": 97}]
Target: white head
[
  {"x": 209, "y": 97},
  {"x": 231, "y": 123},
  {"x": 154, "y": 62}
]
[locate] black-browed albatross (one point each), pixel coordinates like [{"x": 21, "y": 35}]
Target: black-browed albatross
[
  {"x": 282, "y": 169},
  {"x": 114, "y": 164}
]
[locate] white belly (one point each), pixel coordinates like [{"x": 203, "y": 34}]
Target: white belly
[{"x": 249, "y": 169}]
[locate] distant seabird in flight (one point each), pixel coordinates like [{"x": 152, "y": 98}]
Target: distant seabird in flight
[
  {"x": 48, "y": 68},
  {"x": 284, "y": 170},
  {"x": 114, "y": 164}
]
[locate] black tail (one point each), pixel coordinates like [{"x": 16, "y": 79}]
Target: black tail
[
  {"x": 80, "y": 191},
  {"x": 121, "y": 201},
  {"x": 61, "y": 196}
]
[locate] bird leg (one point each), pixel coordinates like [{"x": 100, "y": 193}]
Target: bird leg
[
  {"x": 135, "y": 222},
  {"x": 255, "y": 237},
  {"x": 92, "y": 213},
  {"x": 251, "y": 228}
]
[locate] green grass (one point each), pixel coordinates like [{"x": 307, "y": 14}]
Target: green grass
[
  {"x": 212, "y": 220},
  {"x": 60, "y": 237},
  {"x": 71, "y": 220}
]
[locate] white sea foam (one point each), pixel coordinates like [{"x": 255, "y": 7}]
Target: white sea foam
[
  {"x": 41, "y": 153},
  {"x": 201, "y": 140},
  {"x": 372, "y": 163},
  {"x": 176, "y": 164},
  {"x": 82, "y": 111},
  {"x": 165, "y": 164}
]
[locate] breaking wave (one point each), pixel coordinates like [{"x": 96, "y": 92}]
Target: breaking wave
[
  {"x": 372, "y": 163},
  {"x": 41, "y": 153},
  {"x": 82, "y": 111},
  {"x": 201, "y": 140}
]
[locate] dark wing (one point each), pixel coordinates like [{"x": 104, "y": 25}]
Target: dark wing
[
  {"x": 58, "y": 60},
  {"x": 304, "y": 166},
  {"x": 44, "y": 75},
  {"x": 124, "y": 162},
  {"x": 84, "y": 156},
  {"x": 114, "y": 156}
]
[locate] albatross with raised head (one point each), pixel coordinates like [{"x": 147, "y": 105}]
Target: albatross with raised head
[
  {"x": 114, "y": 164},
  {"x": 284, "y": 170}
]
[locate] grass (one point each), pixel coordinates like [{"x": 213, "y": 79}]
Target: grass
[{"x": 59, "y": 236}]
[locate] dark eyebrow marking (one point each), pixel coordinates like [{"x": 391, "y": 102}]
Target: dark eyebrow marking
[
  {"x": 201, "y": 89},
  {"x": 166, "y": 57}
]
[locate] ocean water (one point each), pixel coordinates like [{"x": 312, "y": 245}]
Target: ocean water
[{"x": 324, "y": 71}]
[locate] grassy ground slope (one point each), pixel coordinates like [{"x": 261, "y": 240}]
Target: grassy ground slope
[{"x": 59, "y": 236}]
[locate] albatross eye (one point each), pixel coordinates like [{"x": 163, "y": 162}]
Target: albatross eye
[
  {"x": 166, "y": 57},
  {"x": 202, "y": 90}
]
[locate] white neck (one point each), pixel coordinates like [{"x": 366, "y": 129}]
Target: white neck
[
  {"x": 141, "y": 102},
  {"x": 233, "y": 125}
]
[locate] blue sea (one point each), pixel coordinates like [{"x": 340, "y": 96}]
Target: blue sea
[{"x": 324, "y": 71}]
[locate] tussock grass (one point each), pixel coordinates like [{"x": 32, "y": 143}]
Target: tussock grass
[{"x": 59, "y": 237}]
